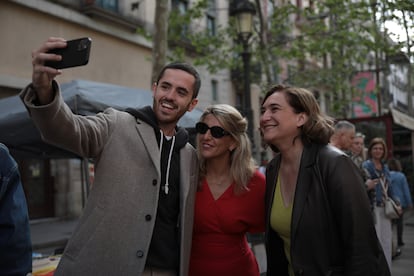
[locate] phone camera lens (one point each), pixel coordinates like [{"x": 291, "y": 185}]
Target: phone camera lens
[{"x": 83, "y": 44}]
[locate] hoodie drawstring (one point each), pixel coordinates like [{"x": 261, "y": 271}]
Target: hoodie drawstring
[{"x": 166, "y": 186}]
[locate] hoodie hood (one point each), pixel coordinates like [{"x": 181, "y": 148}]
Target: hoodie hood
[{"x": 147, "y": 115}]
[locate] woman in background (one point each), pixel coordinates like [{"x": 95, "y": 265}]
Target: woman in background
[
  {"x": 230, "y": 199},
  {"x": 378, "y": 171}
]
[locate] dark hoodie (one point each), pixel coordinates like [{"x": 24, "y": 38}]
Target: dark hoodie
[{"x": 165, "y": 244}]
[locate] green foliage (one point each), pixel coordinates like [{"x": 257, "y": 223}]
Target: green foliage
[
  {"x": 334, "y": 39},
  {"x": 324, "y": 45},
  {"x": 213, "y": 51}
]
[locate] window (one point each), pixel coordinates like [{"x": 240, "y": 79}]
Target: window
[
  {"x": 211, "y": 25},
  {"x": 211, "y": 18},
  {"x": 214, "y": 90},
  {"x": 111, "y": 5},
  {"x": 181, "y": 6}
]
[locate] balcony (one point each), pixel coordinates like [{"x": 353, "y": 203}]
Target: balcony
[{"x": 108, "y": 11}]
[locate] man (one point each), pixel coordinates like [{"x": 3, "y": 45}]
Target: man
[
  {"x": 343, "y": 135},
  {"x": 15, "y": 242},
  {"x": 139, "y": 214}
]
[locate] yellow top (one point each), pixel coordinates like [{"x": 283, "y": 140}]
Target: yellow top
[{"x": 280, "y": 221}]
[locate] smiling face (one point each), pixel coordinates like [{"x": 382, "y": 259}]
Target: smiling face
[
  {"x": 173, "y": 96},
  {"x": 279, "y": 123},
  {"x": 377, "y": 151},
  {"x": 210, "y": 147}
]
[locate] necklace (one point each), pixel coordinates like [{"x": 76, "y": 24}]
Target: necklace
[
  {"x": 218, "y": 181},
  {"x": 217, "y": 188}
]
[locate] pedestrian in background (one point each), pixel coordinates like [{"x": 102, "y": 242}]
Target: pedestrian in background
[
  {"x": 262, "y": 167},
  {"x": 358, "y": 150},
  {"x": 15, "y": 242},
  {"x": 318, "y": 220},
  {"x": 138, "y": 219},
  {"x": 230, "y": 199},
  {"x": 343, "y": 135},
  {"x": 402, "y": 192},
  {"x": 378, "y": 171},
  {"x": 358, "y": 155}
]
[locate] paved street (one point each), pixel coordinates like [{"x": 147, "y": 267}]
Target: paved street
[
  {"x": 50, "y": 235},
  {"x": 404, "y": 264}
]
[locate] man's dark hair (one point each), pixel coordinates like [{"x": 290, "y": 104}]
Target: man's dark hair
[{"x": 187, "y": 68}]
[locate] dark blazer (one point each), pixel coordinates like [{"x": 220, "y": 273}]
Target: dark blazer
[{"x": 332, "y": 231}]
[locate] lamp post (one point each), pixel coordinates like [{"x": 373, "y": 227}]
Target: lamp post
[{"x": 243, "y": 12}]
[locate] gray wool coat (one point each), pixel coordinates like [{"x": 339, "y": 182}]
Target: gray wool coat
[{"x": 115, "y": 230}]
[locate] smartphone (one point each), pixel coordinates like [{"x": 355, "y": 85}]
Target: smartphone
[{"x": 76, "y": 53}]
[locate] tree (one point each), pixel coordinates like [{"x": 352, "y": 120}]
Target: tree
[
  {"x": 159, "y": 49},
  {"x": 319, "y": 47}
]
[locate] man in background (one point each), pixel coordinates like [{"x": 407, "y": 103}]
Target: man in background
[{"x": 343, "y": 135}]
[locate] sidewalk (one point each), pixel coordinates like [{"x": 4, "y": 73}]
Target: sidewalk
[
  {"x": 404, "y": 264},
  {"x": 49, "y": 236}
]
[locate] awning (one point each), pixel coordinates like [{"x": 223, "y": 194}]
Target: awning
[
  {"x": 402, "y": 119},
  {"x": 19, "y": 133}
]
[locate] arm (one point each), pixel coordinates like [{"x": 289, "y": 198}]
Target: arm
[
  {"x": 257, "y": 189},
  {"x": 406, "y": 193},
  {"x": 7, "y": 168},
  {"x": 16, "y": 255},
  {"x": 83, "y": 135}
]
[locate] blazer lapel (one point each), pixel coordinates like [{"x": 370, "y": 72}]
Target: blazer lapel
[
  {"x": 150, "y": 143},
  {"x": 272, "y": 171},
  {"x": 185, "y": 159},
  {"x": 303, "y": 185}
]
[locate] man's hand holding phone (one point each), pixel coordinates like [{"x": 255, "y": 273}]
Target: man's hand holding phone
[
  {"x": 55, "y": 54},
  {"x": 76, "y": 53}
]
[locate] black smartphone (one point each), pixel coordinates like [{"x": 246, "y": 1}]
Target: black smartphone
[{"x": 76, "y": 53}]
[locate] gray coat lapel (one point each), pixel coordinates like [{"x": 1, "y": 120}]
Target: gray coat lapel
[
  {"x": 188, "y": 182},
  {"x": 150, "y": 143}
]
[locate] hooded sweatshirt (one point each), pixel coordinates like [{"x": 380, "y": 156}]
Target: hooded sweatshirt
[{"x": 165, "y": 242}]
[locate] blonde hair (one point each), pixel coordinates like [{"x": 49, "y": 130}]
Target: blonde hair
[{"x": 242, "y": 164}]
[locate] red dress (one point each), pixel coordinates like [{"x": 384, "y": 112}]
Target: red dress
[{"x": 219, "y": 244}]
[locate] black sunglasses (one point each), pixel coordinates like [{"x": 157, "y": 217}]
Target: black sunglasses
[{"x": 215, "y": 131}]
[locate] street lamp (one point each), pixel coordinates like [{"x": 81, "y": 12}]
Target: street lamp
[{"x": 243, "y": 12}]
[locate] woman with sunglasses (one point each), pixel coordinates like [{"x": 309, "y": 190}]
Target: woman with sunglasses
[
  {"x": 230, "y": 199},
  {"x": 318, "y": 219}
]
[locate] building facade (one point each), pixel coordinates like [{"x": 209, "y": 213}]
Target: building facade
[{"x": 121, "y": 55}]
